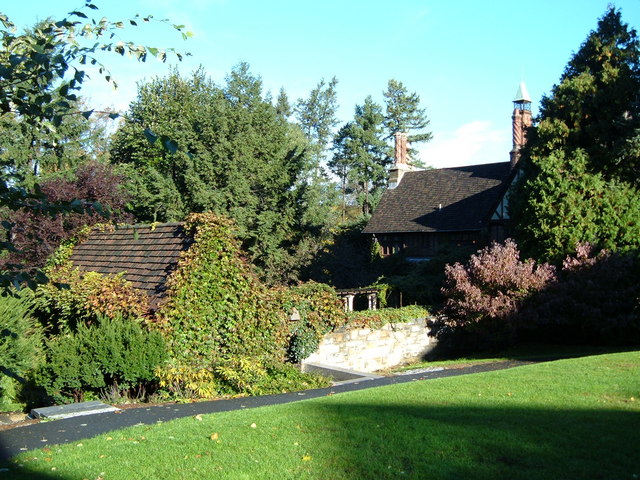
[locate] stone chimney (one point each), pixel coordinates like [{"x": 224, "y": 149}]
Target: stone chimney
[
  {"x": 521, "y": 120},
  {"x": 401, "y": 165}
]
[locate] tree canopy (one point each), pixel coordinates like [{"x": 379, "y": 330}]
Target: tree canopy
[
  {"x": 360, "y": 157},
  {"x": 235, "y": 155},
  {"x": 579, "y": 180},
  {"x": 403, "y": 114}
]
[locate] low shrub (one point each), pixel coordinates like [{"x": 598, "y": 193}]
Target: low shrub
[
  {"x": 114, "y": 354},
  {"x": 235, "y": 376},
  {"x": 21, "y": 343},
  {"x": 253, "y": 376}
]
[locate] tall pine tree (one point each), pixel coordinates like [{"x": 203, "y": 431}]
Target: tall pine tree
[
  {"x": 403, "y": 114},
  {"x": 579, "y": 179},
  {"x": 360, "y": 159}
]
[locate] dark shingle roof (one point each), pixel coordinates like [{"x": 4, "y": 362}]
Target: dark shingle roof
[
  {"x": 467, "y": 196},
  {"x": 146, "y": 254}
]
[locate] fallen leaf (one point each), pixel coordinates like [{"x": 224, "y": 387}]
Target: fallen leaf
[
  {"x": 109, "y": 438},
  {"x": 253, "y": 425},
  {"x": 214, "y": 436},
  {"x": 198, "y": 417}
]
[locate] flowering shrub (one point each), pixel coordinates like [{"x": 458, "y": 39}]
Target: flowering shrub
[{"x": 493, "y": 284}]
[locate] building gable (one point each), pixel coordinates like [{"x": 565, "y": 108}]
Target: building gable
[{"x": 145, "y": 254}]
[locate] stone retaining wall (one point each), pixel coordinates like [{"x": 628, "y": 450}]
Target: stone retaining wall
[{"x": 367, "y": 350}]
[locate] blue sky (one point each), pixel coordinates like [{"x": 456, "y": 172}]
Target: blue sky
[{"x": 464, "y": 58}]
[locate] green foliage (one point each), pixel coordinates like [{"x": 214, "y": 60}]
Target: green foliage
[
  {"x": 42, "y": 71},
  {"x": 579, "y": 180},
  {"x": 320, "y": 311},
  {"x": 219, "y": 313},
  {"x": 113, "y": 354},
  {"x": 404, "y": 115},
  {"x": 597, "y": 98},
  {"x": 21, "y": 342},
  {"x": 235, "y": 155},
  {"x": 317, "y": 116},
  {"x": 360, "y": 157},
  {"x": 254, "y": 377},
  {"x": 378, "y": 318},
  {"x": 565, "y": 204},
  {"x": 217, "y": 308},
  {"x": 304, "y": 341},
  {"x": 72, "y": 298}
]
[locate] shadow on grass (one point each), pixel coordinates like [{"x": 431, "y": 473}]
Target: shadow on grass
[
  {"x": 8, "y": 471},
  {"x": 441, "y": 442}
]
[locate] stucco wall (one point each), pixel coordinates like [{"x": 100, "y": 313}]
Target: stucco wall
[{"x": 367, "y": 350}]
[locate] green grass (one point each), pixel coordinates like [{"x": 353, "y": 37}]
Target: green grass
[
  {"x": 527, "y": 352},
  {"x": 570, "y": 419}
]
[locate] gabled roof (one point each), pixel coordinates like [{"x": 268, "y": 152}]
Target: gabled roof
[
  {"x": 442, "y": 200},
  {"x": 146, "y": 254}
]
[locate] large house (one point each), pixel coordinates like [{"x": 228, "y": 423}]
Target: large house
[{"x": 424, "y": 210}]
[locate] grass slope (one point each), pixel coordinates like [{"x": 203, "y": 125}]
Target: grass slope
[{"x": 570, "y": 419}]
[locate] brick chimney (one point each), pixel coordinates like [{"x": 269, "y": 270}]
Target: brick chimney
[
  {"x": 401, "y": 165},
  {"x": 521, "y": 120},
  {"x": 401, "y": 147}
]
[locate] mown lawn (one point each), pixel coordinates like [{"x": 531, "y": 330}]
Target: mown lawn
[{"x": 569, "y": 419}]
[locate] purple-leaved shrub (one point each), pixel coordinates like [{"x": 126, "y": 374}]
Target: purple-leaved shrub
[
  {"x": 596, "y": 300},
  {"x": 484, "y": 296}
]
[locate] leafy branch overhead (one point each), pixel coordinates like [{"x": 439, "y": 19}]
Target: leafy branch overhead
[{"x": 42, "y": 71}]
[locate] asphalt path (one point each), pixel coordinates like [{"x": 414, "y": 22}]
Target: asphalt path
[{"x": 46, "y": 434}]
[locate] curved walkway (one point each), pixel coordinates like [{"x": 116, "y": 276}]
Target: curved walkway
[{"x": 43, "y": 434}]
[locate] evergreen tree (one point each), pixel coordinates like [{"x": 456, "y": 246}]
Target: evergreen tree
[
  {"x": 360, "y": 159},
  {"x": 598, "y": 99},
  {"x": 317, "y": 116},
  {"x": 403, "y": 114},
  {"x": 283, "y": 107},
  {"x": 579, "y": 180},
  {"x": 235, "y": 155}
]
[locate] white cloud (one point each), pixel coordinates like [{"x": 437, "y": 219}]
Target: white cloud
[{"x": 473, "y": 143}]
